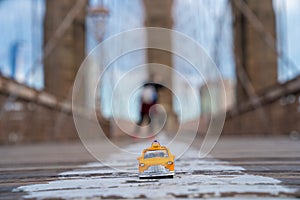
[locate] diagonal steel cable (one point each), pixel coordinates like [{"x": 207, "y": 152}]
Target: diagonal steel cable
[{"x": 268, "y": 38}]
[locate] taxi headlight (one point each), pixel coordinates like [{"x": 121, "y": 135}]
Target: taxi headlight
[
  {"x": 142, "y": 164},
  {"x": 169, "y": 162}
]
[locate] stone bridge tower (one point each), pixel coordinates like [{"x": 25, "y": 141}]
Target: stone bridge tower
[{"x": 159, "y": 14}]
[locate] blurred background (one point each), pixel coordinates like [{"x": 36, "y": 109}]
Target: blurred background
[{"x": 254, "y": 44}]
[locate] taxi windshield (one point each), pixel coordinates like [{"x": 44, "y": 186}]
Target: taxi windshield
[{"x": 156, "y": 154}]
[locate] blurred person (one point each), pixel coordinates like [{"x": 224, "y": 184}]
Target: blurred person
[{"x": 149, "y": 97}]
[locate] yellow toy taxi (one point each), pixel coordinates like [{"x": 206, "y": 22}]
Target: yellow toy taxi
[{"x": 156, "y": 162}]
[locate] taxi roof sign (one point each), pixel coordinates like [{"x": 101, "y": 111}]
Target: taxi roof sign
[{"x": 155, "y": 144}]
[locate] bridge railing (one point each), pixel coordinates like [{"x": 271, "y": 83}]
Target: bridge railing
[{"x": 29, "y": 115}]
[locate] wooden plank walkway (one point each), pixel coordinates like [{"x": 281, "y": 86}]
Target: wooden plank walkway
[{"x": 236, "y": 168}]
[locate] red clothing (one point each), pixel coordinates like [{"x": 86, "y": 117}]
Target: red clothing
[{"x": 146, "y": 108}]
